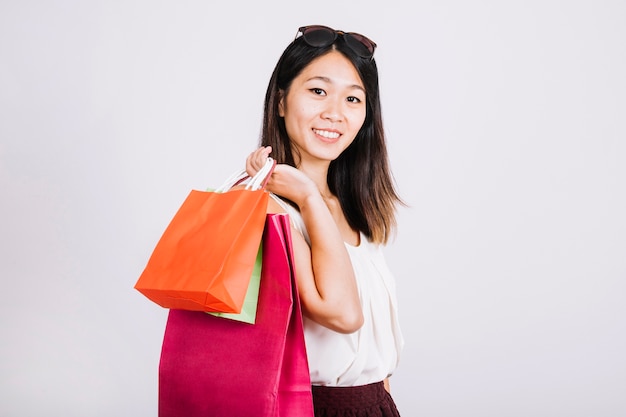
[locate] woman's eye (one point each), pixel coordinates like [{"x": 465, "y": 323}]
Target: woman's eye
[
  {"x": 353, "y": 99},
  {"x": 318, "y": 91}
]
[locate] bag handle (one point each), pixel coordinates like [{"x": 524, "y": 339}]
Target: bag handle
[{"x": 256, "y": 182}]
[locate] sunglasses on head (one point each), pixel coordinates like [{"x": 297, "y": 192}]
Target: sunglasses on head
[{"x": 320, "y": 36}]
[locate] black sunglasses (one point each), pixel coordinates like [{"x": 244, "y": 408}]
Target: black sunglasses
[{"x": 320, "y": 36}]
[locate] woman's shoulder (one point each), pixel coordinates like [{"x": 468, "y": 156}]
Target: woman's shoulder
[
  {"x": 277, "y": 205},
  {"x": 280, "y": 205}
]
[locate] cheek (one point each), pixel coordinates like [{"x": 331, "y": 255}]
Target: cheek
[
  {"x": 359, "y": 119},
  {"x": 299, "y": 114},
  {"x": 294, "y": 122}
]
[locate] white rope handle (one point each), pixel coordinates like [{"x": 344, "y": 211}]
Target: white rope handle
[{"x": 254, "y": 183}]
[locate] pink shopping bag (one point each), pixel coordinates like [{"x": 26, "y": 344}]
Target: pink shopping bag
[{"x": 216, "y": 367}]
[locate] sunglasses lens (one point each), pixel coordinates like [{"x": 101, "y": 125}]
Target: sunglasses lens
[
  {"x": 360, "y": 44},
  {"x": 319, "y": 36}
]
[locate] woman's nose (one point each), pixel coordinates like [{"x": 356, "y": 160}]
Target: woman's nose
[{"x": 332, "y": 111}]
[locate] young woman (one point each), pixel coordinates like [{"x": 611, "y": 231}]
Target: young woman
[{"x": 322, "y": 124}]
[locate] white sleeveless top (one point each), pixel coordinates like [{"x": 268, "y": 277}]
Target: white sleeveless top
[{"x": 370, "y": 354}]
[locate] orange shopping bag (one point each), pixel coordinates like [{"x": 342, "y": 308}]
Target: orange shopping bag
[{"x": 204, "y": 259}]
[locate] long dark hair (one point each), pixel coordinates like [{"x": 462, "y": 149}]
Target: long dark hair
[{"x": 360, "y": 177}]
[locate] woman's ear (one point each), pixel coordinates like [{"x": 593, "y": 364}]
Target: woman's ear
[{"x": 281, "y": 103}]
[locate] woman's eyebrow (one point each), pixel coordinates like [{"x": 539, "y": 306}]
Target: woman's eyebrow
[{"x": 328, "y": 80}]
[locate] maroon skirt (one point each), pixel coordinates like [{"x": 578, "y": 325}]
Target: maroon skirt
[{"x": 370, "y": 400}]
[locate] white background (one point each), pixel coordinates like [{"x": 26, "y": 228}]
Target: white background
[{"x": 507, "y": 137}]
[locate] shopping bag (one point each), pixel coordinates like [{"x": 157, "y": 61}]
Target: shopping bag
[
  {"x": 250, "y": 302},
  {"x": 204, "y": 259},
  {"x": 214, "y": 367}
]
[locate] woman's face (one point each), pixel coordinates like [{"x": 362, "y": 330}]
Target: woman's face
[{"x": 324, "y": 109}]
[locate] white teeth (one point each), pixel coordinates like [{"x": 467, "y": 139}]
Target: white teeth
[{"x": 326, "y": 134}]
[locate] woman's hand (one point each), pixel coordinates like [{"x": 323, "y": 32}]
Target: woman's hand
[
  {"x": 256, "y": 160},
  {"x": 285, "y": 181}
]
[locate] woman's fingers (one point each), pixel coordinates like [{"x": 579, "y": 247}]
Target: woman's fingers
[{"x": 256, "y": 160}]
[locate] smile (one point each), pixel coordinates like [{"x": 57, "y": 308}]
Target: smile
[{"x": 326, "y": 134}]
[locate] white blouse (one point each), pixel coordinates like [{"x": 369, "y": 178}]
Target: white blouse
[{"x": 370, "y": 354}]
